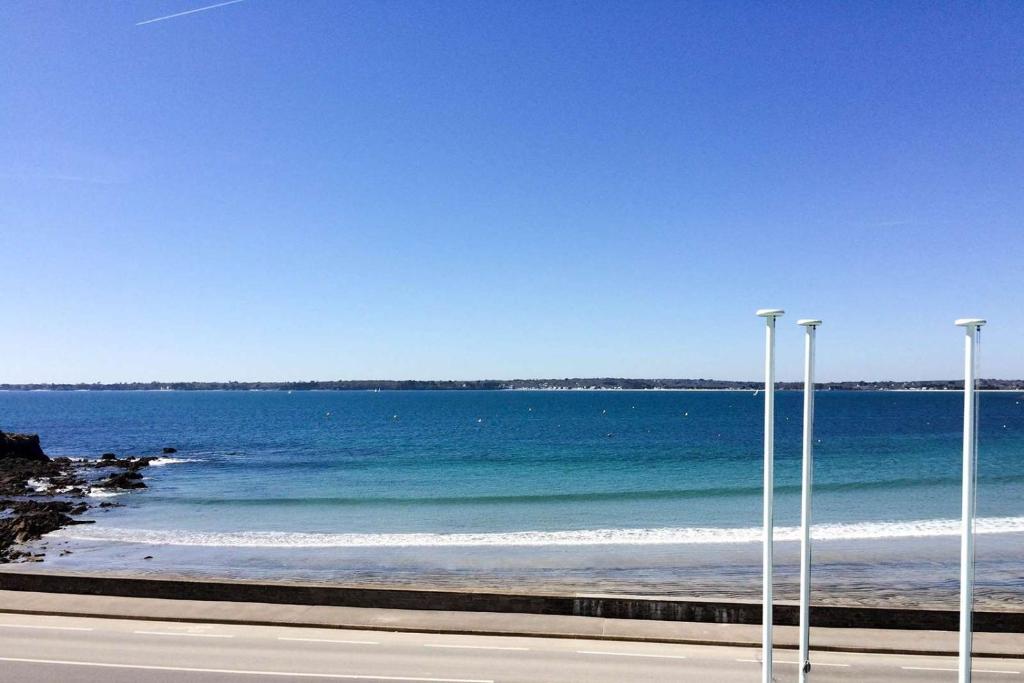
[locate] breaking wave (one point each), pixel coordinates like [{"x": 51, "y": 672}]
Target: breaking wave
[
  {"x": 662, "y": 536},
  {"x": 95, "y": 492},
  {"x": 158, "y": 462}
]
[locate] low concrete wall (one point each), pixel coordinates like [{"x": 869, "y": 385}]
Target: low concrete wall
[
  {"x": 787, "y": 614},
  {"x": 609, "y": 606}
]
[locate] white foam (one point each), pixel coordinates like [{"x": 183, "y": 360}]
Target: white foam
[
  {"x": 159, "y": 462},
  {"x": 43, "y": 486},
  {"x": 664, "y": 536},
  {"x": 102, "y": 493}
]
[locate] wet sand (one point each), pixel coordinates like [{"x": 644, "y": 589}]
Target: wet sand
[{"x": 917, "y": 572}]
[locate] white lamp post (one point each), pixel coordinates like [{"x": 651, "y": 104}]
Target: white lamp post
[
  {"x": 806, "y": 482},
  {"x": 972, "y": 327},
  {"x": 769, "y": 315}
]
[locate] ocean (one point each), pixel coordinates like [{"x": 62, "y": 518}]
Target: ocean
[{"x": 647, "y": 492}]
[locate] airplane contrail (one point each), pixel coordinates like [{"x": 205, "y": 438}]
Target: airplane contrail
[{"x": 191, "y": 11}]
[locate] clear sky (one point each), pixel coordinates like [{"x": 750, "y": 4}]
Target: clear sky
[{"x": 343, "y": 190}]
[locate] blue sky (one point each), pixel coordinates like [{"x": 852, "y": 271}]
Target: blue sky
[{"x": 321, "y": 190}]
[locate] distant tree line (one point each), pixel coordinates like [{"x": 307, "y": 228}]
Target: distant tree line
[{"x": 591, "y": 383}]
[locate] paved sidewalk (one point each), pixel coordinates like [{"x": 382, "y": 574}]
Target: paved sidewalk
[{"x": 490, "y": 623}]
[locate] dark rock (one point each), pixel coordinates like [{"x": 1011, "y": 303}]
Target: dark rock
[
  {"x": 129, "y": 463},
  {"x": 28, "y": 518},
  {"x": 122, "y": 480},
  {"x": 33, "y": 506},
  {"x": 15, "y": 473},
  {"x": 21, "y": 447},
  {"x": 67, "y": 483},
  {"x": 168, "y": 450},
  {"x": 30, "y": 521}
]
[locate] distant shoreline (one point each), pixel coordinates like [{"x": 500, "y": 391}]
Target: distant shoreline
[{"x": 577, "y": 384}]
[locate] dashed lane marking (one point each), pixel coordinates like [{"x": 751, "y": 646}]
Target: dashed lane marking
[
  {"x": 47, "y": 628},
  {"x": 784, "y": 661},
  {"x": 977, "y": 671},
  {"x": 182, "y": 633},
  {"x": 475, "y": 647},
  {"x": 245, "y": 672},
  {"x": 330, "y": 640},
  {"x": 629, "y": 654}
]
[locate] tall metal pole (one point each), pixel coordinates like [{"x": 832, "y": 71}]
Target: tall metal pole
[
  {"x": 769, "y": 314},
  {"x": 972, "y": 327},
  {"x": 806, "y": 482}
]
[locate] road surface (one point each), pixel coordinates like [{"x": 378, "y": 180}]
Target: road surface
[{"x": 80, "y": 650}]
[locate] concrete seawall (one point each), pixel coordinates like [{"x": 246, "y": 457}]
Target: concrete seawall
[{"x": 606, "y": 606}]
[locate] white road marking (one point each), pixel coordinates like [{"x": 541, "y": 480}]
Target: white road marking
[
  {"x": 245, "y": 672},
  {"x": 977, "y": 671},
  {"x": 628, "y": 654},
  {"x": 329, "y": 640},
  {"x": 475, "y": 647},
  {"x": 47, "y": 628},
  {"x": 784, "y": 661},
  {"x": 182, "y": 633}
]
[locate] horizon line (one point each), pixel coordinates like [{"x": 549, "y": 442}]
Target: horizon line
[{"x": 551, "y": 380}]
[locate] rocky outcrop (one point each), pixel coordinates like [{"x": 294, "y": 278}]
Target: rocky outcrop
[
  {"x": 21, "y": 447},
  {"x": 28, "y": 520},
  {"x": 22, "y": 460},
  {"x": 27, "y": 475},
  {"x": 122, "y": 480},
  {"x": 132, "y": 464}
]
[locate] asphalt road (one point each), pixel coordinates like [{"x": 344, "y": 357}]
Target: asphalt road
[{"x": 77, "y": 650}]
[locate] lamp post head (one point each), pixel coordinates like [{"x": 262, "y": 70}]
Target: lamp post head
[
  {"x": 807, "y": 322},
  {"x": 770, "y": 312},
  {"x": 970, "y": 322}
]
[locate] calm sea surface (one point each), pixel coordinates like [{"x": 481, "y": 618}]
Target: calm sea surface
[{"x": 654, "y": 492}]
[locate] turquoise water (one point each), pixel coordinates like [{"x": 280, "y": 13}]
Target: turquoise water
[{"x": 370, "y": 474}]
